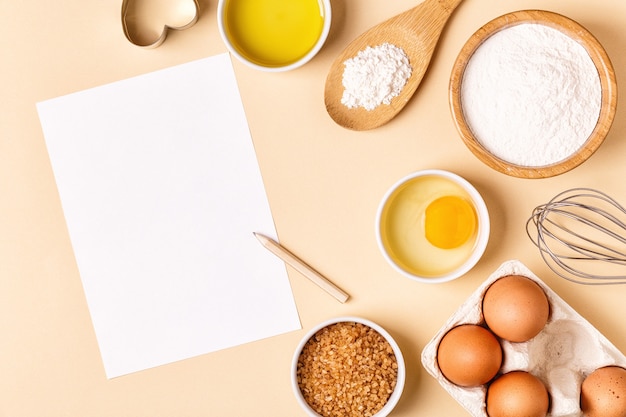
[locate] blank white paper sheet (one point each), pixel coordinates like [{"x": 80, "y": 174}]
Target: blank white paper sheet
[{"x": 161, "y": 192}]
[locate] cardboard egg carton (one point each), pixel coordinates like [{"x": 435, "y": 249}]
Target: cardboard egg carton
[{"x": 561, "y": 355}]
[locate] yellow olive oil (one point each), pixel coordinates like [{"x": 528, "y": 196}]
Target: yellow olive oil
[{"x": 273, "y": 33}]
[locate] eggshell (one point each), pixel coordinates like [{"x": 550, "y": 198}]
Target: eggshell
[
  {"x": 566, "y": 349},
  {"x": 469, "y": 355},
  {"x": 603, "y": 393},
  {"x": 515, "y": 308},
  {"x": 517, "y": 394}
]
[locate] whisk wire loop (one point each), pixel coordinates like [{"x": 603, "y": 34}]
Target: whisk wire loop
[{"x": 577, "y": 229}]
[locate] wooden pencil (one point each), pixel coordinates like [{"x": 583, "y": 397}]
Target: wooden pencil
[{"x": 303, "y": 268}]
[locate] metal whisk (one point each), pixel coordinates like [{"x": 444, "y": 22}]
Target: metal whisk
[{"x": 581, "y": 235}]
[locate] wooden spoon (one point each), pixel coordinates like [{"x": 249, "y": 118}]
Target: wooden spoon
[{"x": 417, "y": 32}]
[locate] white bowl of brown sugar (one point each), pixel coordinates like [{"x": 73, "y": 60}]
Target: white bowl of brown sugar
[{"x": 349, "y": 367}]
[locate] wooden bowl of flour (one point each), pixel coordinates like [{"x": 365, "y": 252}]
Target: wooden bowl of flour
[{"x": 533, "y": 94}]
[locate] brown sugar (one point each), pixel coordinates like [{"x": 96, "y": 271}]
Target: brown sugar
[{"x": 347, "y": 369}]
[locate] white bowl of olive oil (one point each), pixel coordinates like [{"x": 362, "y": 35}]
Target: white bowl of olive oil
[
  {"x": 274, "y": 35},
  {"x": 432, "y": 226}
]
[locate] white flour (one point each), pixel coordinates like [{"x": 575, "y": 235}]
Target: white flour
[
  {"x": 531, "y": 95},
  {"x": 374, "y": 76}
]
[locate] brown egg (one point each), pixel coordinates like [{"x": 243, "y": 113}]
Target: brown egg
[
  {"x": 517, "y": 394},
  {"x": 469, "y": 355},
  {"x": 603, "y": 393},
  {"x": 515, "y": 308}
]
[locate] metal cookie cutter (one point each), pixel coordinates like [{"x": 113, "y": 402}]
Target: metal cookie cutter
[{"x": 146, "y": 22}]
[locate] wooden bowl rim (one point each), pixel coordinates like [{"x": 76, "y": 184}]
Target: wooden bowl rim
[{"x": 600, "y": 59}]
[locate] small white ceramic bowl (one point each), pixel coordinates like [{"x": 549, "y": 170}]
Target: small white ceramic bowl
[
  {"x": 401, "y": 376},
  {"x": 256, "y": 59},
  {"x": 400, "y": 227}
]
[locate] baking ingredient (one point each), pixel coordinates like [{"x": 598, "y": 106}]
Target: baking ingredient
[
  {"x": 449, "y": 222},
  {"x": 515, "y": 308},
  {"x": 418, "y": 234},
  {"x": 561, "y": 355},
  {"x": 517, "y": 394},
  {"x": 469, "y": 355},
  {"x": 273, "y": 33},
  {"x": 347, "y": 369},
  {"x": 603, "y": 393},
  {"x": 531, "y": 95},
  {"x": 374, "y": 76}
]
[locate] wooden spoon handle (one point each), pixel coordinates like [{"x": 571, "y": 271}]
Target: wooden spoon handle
[
  {"x": 432, "y": 13},
  {"x": 449, "y": 5}
]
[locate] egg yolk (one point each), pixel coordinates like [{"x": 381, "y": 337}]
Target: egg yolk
[{"x": 449, "y": 222}]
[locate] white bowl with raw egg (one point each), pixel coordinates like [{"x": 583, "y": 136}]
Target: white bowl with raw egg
[
  {"x": 274, "y": 35},
  {"x": 432, "y": 226}
]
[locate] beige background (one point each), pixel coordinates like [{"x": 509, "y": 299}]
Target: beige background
[{"x": 324, "y": 184}]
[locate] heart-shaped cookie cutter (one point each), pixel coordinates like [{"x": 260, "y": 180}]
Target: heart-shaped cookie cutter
[{"x": 136, "y": 12}]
